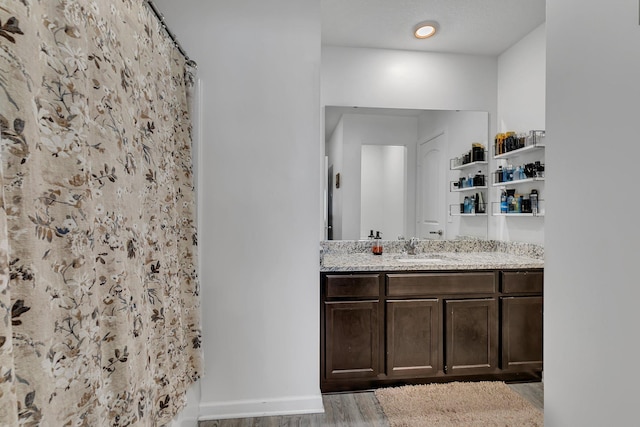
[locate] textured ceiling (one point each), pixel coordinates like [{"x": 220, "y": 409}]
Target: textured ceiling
[{"x": 481, "y": 27}]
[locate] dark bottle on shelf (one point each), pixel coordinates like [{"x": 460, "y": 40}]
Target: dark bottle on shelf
[
  {"x": 533, "y": 197},
  {"x": 477, "y": 151}
]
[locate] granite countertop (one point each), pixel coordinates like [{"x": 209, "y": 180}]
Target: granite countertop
[
  {"x": 441, "y": 261},
  {"x": 452, "y": 255}
]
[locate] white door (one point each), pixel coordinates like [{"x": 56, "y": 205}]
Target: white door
[{"x": 431, "y": 201}]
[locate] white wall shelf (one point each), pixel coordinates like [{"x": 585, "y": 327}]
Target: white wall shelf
[
  {"x": 465, "y": 165},
  {"x": 462, "y": 190},
  {"x": 520, "y": 214},
  {"x": 517, "y": 152},
  {"x": 478, "y": 207},
  {"x": 516, "y": 182},
  {"x": 454, "y": 210},
  {"x": 496, "y": 211}
]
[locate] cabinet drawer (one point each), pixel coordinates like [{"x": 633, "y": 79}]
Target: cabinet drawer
[
  {"x": 522, "y": 282},
  {"x": 440, "y": 283},
  {"x": 353, "y": 286}
]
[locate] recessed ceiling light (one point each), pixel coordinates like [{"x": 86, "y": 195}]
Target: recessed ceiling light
[{"x": 425, "y": 30}]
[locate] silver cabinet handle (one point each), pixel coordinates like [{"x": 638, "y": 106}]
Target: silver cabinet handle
[{"x": 439, "y": 232}]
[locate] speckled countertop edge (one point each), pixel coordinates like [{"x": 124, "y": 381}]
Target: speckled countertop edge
[{"x": 466, "y": 254}]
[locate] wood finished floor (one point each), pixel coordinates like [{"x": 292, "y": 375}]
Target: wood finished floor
[{"x": 353, "y": 410}]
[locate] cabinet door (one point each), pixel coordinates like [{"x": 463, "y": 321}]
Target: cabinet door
[
  {"x": 412, "y": 337},
  {"x": 522, "y": 333},
  {"x": 351, "y": 339},
  {"x": 471, "y": 330}
]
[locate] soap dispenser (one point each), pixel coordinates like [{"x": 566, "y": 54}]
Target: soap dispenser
[{"x": 377, "y": 244}]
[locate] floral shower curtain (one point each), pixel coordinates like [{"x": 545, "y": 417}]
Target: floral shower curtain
[{"x": 99, "y": 304}]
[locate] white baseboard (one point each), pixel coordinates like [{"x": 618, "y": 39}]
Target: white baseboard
[{"x": 294, "y": 405}]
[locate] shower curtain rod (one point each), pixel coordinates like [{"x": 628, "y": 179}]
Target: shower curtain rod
[{"x": 172, "y": 36}]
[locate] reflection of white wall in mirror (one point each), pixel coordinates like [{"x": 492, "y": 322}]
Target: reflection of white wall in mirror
[
  {"x": 344, "y": 151},
  {"x": 334, "y": 152},
  {"x": 383, "y": 190}
]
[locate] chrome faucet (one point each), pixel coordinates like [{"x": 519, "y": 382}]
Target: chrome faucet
[{"x": 410, "y": 246}]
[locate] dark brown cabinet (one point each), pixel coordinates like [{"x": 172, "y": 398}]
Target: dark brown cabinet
[
  {"x": 392, "y": 328},
  {"x": 471, "y": 331},
  {"x": 351, "y": 328},
  {"x": 412, "y": 337},
  {"x": 521, "y": 319},
  {"x": 352, "y": 339}
]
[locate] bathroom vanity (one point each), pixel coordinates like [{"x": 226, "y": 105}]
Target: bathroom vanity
[{"x": 449, "y": 315}]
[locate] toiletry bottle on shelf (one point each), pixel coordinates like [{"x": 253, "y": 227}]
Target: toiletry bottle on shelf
[
  {"x": 517, "y": 174},
  {"x": 467, "y": 208},
  {"x": 510, "y": 173},
  {"x": 462, "y": 182},
  {"x": 480, "y": 203},
  {"x": 526, "y": 204},
  {"x": 503, "y": 202},
  {"x": 533, "y": 196},
  {"x": 472, "y": 205},
  {"x": 477, "y": 152},
  {"x": 511, "y": 205},
  {"x": 377, "y": 244}
]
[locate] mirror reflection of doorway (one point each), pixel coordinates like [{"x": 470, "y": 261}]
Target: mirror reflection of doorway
[
  {"x": 431, "y": 185},
  {"x": 329, "y": 231}
]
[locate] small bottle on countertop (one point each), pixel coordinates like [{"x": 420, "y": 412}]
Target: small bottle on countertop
[{"x": 377, "y": 244}]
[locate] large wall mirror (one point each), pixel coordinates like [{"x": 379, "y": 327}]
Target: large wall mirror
[{"x": 388, "y": 170}]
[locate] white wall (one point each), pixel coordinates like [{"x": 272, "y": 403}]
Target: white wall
[
  {"x": 408, "y": 79},
  {"x": 591, "y": 228},
  {"x": 522, "y": 84},
  {"x": 259, "y": 63},
  {"x": 521, "y": 107}
]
